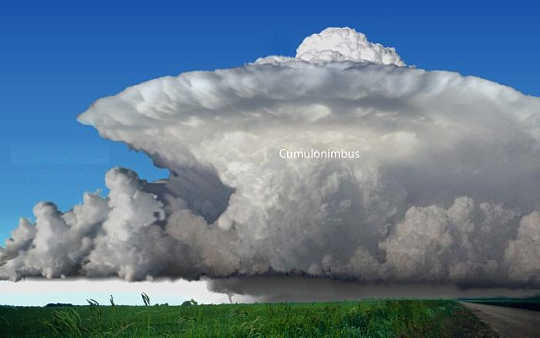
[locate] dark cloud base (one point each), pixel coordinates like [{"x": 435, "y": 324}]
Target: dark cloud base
[{"x": 305, "y": 289}]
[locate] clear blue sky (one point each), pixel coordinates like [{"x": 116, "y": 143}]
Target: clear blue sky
[{"x": 56, "y": 59}]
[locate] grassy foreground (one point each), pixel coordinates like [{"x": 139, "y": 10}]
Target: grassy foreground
[{"x": 382, "y": 318}]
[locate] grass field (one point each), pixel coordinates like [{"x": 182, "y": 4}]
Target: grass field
[{"x": 381, "y": 318}]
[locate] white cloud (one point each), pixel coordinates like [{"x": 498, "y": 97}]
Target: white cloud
[
  {"x": 447, "y": 172},
  {"x": 523, "y": 254},
  {"x": 345, "y": 44}
]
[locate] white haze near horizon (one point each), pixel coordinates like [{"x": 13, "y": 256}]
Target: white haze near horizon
[
  {"x": 39, "y": 292},
  {"x": 445, "y": 190}
]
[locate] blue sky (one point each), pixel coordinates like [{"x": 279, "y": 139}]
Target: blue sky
[{"x": 56, "y": 59}]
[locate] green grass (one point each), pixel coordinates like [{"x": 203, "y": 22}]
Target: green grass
[{"x": 388, "y": 318}]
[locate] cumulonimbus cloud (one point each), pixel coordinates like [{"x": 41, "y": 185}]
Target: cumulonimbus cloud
[{"x": 445, "y": 188}]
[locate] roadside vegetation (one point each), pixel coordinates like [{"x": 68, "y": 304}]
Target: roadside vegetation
[{"x": 377, "y": 318}]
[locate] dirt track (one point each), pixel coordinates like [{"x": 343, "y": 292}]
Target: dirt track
[{"x": 508, "y": 322}]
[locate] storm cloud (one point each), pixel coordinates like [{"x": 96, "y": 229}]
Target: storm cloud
[{"x": 445, "y": 189}]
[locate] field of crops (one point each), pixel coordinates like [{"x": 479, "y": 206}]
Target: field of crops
[{"x": 382, "y": 318}]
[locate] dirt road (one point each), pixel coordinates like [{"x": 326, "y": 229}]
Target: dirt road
[{"x": 508, "y": 322}]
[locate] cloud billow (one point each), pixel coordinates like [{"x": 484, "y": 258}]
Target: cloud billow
[{"x": 444, "y": 189}]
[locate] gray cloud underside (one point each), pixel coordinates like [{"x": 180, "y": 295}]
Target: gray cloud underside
[{"x": 309, "y": 289}]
